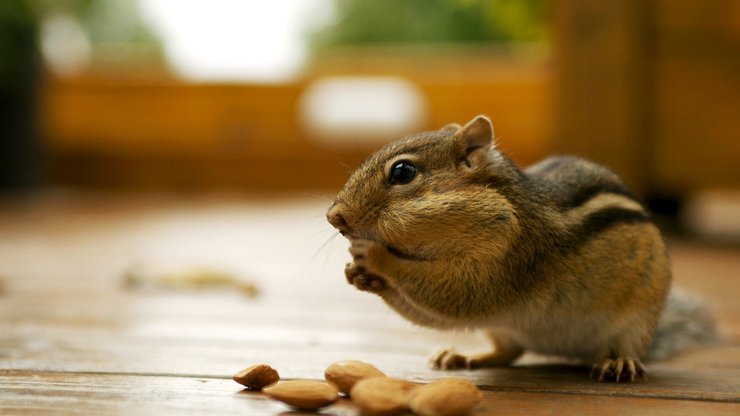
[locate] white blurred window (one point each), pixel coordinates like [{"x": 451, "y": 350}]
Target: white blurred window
[
  {"x": 343, "y": 110},
  {"x": 235, "y": 40}
]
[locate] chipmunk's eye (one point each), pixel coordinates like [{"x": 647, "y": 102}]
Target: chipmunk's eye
[{"x": 402, "y": 172}]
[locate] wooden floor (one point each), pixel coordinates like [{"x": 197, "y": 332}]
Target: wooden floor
[{"x": 76, "y": 339}]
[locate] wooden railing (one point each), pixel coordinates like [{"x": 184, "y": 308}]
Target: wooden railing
[{"x": 164, "y": 134}]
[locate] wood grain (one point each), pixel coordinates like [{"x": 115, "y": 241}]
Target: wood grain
[
  {"x": 26, "y": 392},
  {"x": 75, "y": 339}
]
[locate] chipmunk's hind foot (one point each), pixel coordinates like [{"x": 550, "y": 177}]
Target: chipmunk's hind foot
[
  {"x": 619, "y": 368},
  {"x": 450, "y": 359}
]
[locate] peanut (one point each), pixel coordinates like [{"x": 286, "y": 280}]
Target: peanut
[
  {"x": 344, "y": 374},
  {"x": 382, "y": 396},
  {"x": 303, "y": 394},
  {"x": 445, "y": 397},
  {"x": 257, "y": 376}
]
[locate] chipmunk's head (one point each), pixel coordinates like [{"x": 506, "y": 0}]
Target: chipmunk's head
[{"x": 425, "y": 195}]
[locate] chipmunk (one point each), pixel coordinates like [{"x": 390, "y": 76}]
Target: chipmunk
[{"x": 557, "y": 259}]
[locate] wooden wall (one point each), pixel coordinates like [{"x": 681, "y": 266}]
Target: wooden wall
[
  {"x": 696, "y": 94},
  {"x": 651, "y": 88}
]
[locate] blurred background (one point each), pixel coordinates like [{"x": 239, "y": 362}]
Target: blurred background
[
  {"x": 288, "y": 96},
  {"x": 154, "y": 150}
]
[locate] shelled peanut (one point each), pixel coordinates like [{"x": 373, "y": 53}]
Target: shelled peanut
[
  {"x": 303, "y": 394},
  {"x": 382, "y": 396},
  {"x": 370, "y": 390},
  {"x": 445, "y": 397},
  {"x": 344, "y": 374},
  {"x": 257, "y": 377}
]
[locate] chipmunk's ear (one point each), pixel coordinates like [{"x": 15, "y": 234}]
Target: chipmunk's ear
[
  {"x": 477, "y": 139},
  {"x": 450, "y": 128}
]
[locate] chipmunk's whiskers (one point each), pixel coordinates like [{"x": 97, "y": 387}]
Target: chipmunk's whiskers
[{"x": 323, "y": 246}]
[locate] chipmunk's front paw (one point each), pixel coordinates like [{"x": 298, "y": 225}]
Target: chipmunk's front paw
[
  {"x": 619, "y": 368},
  {"x": 449, "y": 359},
  {"x": 357, "y": 273},
  {"x": 358, "y": 250},
  {"x": 358, "y": 277},
  {"x": 370, "y": 283}
]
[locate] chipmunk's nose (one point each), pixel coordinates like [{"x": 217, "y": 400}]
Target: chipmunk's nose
[{"x": 336, "y": 218}]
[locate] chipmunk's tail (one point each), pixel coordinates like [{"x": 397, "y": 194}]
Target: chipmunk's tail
[{"x": 686, "y": 322}]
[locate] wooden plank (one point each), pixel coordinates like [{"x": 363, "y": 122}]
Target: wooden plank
[
  {"x": 513, "y": 403},
  {"x": 167, "y": 334},
  {"x": 30, "y": 392},
  {"x": 72, "y": 337},
  {"x": 302, "y": 359}
]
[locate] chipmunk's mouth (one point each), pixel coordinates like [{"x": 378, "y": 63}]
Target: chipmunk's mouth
[
  {"x": 397, "y": 252},
  {"x": 403, "y": 254},
  {"x": 390, "y": 247}
]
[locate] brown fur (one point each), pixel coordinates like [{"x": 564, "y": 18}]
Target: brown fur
[{"x": 558, "y": 259}]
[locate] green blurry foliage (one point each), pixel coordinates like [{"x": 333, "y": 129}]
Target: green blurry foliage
[
  {"x": 118, "y": 36},
  {"x": 104, "y": 21},
  {"x": 362, "y": 22}
]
